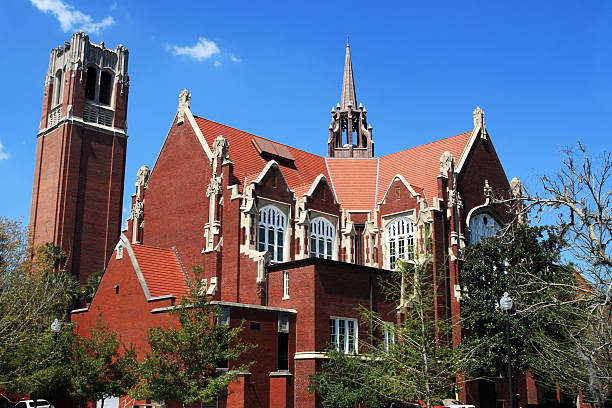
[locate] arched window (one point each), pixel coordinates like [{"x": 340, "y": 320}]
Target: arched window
[
  {"x": 57, "y": 89},
  {"x": 106, "y": 87},
  {"x": 271, "y": 232},
  {"x": 90, "y": 83},
  {"x": 483, "y": 225},
  {"x": 322, "y": 234},
  {"x": 400, "y": 241}
]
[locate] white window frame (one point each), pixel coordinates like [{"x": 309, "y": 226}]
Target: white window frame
[
  {"x": 285, "y": 285},
  {"x": 58, "y": 88},
  {"x": 400, "y": 240},
  {"x": 388, "y": 336},
  {"x": 272, "y": 220},
  {"x": 344, "y": 334},
  {"x": 322, "y": 233}
]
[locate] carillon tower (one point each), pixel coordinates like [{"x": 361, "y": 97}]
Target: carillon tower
[
  {"x": 80, "y": 154},
  {"x": 349, "y": 132}
]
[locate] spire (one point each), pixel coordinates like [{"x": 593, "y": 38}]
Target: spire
[{"x": 348, "y": 84}]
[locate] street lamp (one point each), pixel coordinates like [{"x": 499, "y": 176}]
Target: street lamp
[
  {"x": 505, "y": 303},
  {"x": 56, "y": 326}
]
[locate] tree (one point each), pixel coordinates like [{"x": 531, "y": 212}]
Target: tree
[
  {"x": 102, "y": 366},
  {"x": 580, "y": 196},
  {"x": 524, "y": 261},
  {"x": 31, "y": 296},
  {"x": 184, "y": 361},
  {"x": 412, "y": 361}
]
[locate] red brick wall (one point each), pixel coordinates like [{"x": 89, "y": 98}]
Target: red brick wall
[
  {"x": 482, "y": 164},
  {"x": 176, "y": 206},
  {"x": 77, "y": 195}
]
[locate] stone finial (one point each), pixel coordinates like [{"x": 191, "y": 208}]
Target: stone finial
[
  {"x": 478, "y": 117},
  {"x": 446, "y": 161},
  {"x": 142, "y": 177},
  {"x": 516, "y": 187},
  {"x": 184, "y": 104},
  {"x": 219, "y": 148}
]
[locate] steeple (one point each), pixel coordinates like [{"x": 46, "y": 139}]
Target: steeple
[
  {"x": 349, "y": 132},
  {"x": 348, "y": 83}
]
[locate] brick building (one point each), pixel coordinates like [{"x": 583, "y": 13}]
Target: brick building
[{"x": 289, "y": 241}]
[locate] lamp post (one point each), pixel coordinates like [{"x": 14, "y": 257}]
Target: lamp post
[
  {"x": 505, "y": 303},
  {"x": 56, "y": 326}
]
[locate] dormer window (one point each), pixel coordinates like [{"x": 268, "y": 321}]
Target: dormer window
[
  {"x": 322, "y": 234},
  {"x": 400, "y": 241},
  {"x": 99, "y": 86},
  {"x": 271, "y": 232}
]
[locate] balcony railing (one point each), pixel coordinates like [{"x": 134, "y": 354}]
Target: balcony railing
[
  {"x": 97, "y": 114},
  {"x": 55, "y": 116}
]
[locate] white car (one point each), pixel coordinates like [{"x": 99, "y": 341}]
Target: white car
[
  {"x": 41, "y": 403},
  {"x": 456, "y": 404}
]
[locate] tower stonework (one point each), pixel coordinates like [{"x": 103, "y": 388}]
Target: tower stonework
[
  {"x": 80, "y": 153},
  {"x": 349, "y": 132}
]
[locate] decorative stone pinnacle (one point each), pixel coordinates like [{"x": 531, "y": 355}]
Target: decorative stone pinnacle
[
  {"x": 478, "y": 117},
  {"x": 184, "y": 104},
  {"x": 446, "y": 161},
  {"x": 516, "y": 187}
]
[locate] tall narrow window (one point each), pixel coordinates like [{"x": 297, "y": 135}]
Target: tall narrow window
[
  {"x": 285, "y": 284},
  {"x": 400, "y": 241},
  {"x": 271, "y": 232},
  {"x": 388, "y": 336},
  {"x": 343, "y": 334},
  {"x": 106, "y": 87},
  {"x": 57, "y": 88},
  {"x": 90, "y": 83},
  {"x": 283, "y": 341},
  {"x": 322, "y": 234}
]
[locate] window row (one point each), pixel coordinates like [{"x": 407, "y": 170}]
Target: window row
[{"x": 273, "y": 224}]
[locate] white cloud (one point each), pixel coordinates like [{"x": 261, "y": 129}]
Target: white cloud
[
  {"x": 3, "y": 155},
  {"x": 235, "y": 59},
  {"x": 70, "y": 18},
  {"x": 217, "y": 64},
  {"x": 201, "y": 51}
]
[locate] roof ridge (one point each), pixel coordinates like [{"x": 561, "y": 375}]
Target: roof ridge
[
  {"x": 151, "y": 247},
  {"x": 426, "y": 144}
]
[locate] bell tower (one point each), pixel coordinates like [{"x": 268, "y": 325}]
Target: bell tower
[
  {"x": 349, "y": 132},
  {"x": 80, "y": 153}
]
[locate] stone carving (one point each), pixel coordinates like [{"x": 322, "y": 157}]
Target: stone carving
[
  {"x": 220, "y": 147},
  {"x": 142, "y": 180},
  {"x": 516, "y": 187},
  {"x": 184, "y": 104},
  {"x": 446, "y": 162},
  {"x": 214, "y": 187},
  {"x": 454, "y": 198},
  {"x": 487, "y": 191},
  {"x": 142, "y": 177},
  {"x": 137, "y": 210},
  {"x": 478, "y": 117}
]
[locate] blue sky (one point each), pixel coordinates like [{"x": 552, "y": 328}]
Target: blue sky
[{"x": 541, "y": 71}]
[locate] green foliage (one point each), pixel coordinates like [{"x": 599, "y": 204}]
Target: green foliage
[
  {"x": 346, "y": 382},
  {"x": 102, "y": 366},
  {"x": 184, "y": 360},
  {"x": 524, "y": 263},
  {"x": 91, "y": 286},
  {"x": 419, "y": 365}
]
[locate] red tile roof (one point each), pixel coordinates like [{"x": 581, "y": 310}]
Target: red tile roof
[
  {"x": 161, "y": 270},
  {"x": 247, "y": 161},
  {"x": 420, "y": 165},
  {"x": 358, "y": 183},
  {"x": 354, "y": 181}
]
